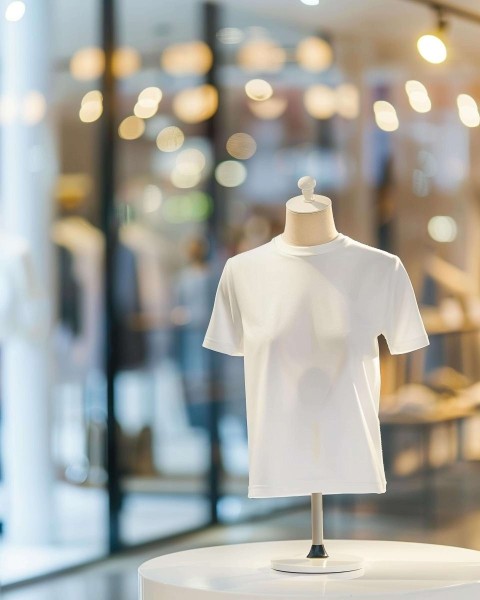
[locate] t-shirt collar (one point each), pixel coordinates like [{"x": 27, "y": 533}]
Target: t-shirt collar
[{"x": 284, "y": 248}]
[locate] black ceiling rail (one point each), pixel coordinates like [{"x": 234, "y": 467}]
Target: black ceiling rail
[{"x": 447, "y": 8}]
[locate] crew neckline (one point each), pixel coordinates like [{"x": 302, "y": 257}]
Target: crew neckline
[{"x": 292, "y": 250}]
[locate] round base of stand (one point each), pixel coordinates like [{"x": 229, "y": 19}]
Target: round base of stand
[{"x": 336, "y": 563}]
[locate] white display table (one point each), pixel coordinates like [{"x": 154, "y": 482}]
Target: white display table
[{"x": 243, "y": 571}]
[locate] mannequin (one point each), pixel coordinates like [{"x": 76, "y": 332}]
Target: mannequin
[
  {"x": 25, "y": 319},
  {"x": 309, "y": 222},
  {"x": 305, "y": 319}
]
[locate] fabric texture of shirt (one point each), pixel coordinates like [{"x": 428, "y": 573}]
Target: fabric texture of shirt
[{"x": 306, "y": 319}]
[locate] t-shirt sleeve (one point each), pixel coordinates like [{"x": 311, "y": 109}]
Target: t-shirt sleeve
[
  {"x": 403, "y": 327},
  {"x": 225, "y": 332}
]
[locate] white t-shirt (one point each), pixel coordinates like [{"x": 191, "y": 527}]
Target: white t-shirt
[{"x": 306, "y": 320}]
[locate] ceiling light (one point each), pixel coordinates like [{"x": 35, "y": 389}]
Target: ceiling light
[
  {"x": 431, "y": 46},
  {"x": 15, "y": 11}
]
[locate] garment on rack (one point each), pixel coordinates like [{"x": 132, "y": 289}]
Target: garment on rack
[
  {"x": 69, "y": 293},
  {"x": 131, "y": 347},
  {"x": 24, "y": 309},
  {"x": 79, "y": 331}
]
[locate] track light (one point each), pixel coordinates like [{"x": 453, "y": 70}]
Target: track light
[{"x": 431, "y": 46}]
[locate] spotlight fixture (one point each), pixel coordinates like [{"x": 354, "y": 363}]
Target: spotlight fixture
[{"x": 431, "y": 46}]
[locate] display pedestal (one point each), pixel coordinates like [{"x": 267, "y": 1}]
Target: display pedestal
[{"x": 244, "y": 571}]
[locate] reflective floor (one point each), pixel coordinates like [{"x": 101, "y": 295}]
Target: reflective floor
[{"x": 391, "y": 516}]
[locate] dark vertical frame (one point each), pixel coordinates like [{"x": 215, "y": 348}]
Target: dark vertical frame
[
  {"x": 215, "y": 225},
  {"x": 107, "y": 164}
]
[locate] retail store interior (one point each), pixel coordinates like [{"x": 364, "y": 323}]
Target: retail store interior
[{"x": 144, "y": 143}]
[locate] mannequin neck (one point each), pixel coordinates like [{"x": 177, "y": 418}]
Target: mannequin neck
[{"x": 309, "y": 229}]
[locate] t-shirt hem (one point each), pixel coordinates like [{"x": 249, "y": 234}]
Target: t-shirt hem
[
  {"x": 409, "y": 345},
  {"x": 221, "y": 346},
  {"x": 325, "y": 486}
]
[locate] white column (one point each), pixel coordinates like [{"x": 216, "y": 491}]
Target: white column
[{"x": 27, "y": 174}]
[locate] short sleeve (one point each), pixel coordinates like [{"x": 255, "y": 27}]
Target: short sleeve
[
  {"x": 225, "y": 332},
  {"x": 403, "y": 327}
]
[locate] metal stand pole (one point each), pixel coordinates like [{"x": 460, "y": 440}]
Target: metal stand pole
[
  {"x": 336, "y": 563},
  {"x": 318, "y": 549}
]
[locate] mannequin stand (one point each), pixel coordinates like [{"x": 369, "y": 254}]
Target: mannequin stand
[{"x": 318, "y": 560}]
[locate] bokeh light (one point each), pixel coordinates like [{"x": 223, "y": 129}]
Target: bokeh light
[
  {"x": 347, "y": 101},
  {"x": 15, "y": 11},
  {"x": 147, "y": 103},
  {"x": 432, "y": 48},
  {"x": 442, "y": 228},
  {"x": 418, "y": 96},
  {"x": 230, "y": 173},
  {"x": 258, "y": 89},
  {"x": 182, "y": 177},
  {"x": 273, "y": 108},
  {"x": 152, "y": 198},
  {"x": 34, "y": 107},
  {"x": 191, "y": 159},
  {"x": 150, "y": 96},
  {"x": 197, "y": 104},
  {"x": 170, "y": 139},
  {"x": 320, "y": 101},
  {"x": 91, "y": 107},
  {"x": 87, "y": 63},
  {"x": 92, "y": 96},
  {"x": 131, "y": 128},
  {"x": 190, "y": 58},
  {"x": 261, "y": 55},
  {"x": 125, "y": 62},
  {"x": 241, "y": 146},
  {"x": 385, "y": 115},
  {"x": 468, "y": 110},
  {"x": 314, "y": 54},
  {"x": 144, "y": 112}
]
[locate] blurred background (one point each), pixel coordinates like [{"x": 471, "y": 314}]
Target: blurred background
[{"x": 143, "y": 143}]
